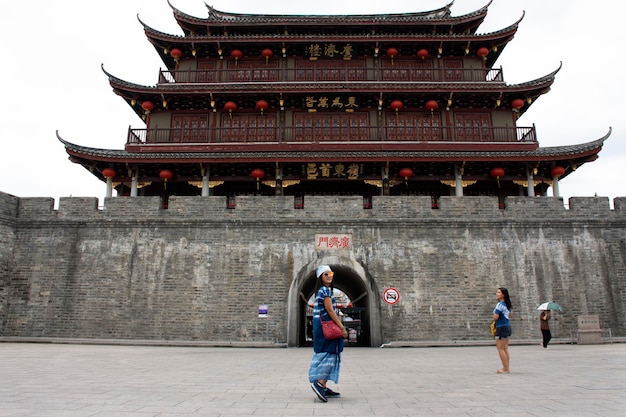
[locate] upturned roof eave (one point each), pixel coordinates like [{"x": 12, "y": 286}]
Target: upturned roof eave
[
  {"x": 547, "y": 153},
  {"x": 546, "y": 80},
  {"x": 504, "y": 33},
  {"x": 162, "y": 40},
  {"x": 441, "y": 16},
  {"x": 540, "y": 84},
  {"x": 218, "y": 15}
]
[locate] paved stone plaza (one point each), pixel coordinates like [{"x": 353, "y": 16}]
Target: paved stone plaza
[{"x": 40, "y": 379}]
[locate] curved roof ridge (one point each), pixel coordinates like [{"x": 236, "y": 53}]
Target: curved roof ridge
[
  {"x": 179, "y": 13},
  {"x": 150, "y": 29},
  {"x": 580, "y": 147},
  {"x": 546, "y": 78},
  {"x": 222, "y": 15},
  {"x": 539, "y": 152},
  {"x": 80, "y": 148},
  {"x": 512, "y": 26},
  {"x": 114, "y": 79}
]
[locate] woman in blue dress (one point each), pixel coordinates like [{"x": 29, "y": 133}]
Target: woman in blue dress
[
  {"x": 326, "y": 359},
  {"x": 501, "y": 315}
]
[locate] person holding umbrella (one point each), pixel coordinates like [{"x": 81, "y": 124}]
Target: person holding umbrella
[
  {"x": 501, "y": 315},
  {"x": 544, "y": 317}
]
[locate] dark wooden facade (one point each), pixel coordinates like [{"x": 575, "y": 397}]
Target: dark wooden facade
[{"x": 339, "y": 105}]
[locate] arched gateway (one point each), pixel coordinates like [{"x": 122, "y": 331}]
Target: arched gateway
[{"x": 354, "y": 281}]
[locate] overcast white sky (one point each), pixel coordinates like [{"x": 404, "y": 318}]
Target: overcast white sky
[{"x": 52, "y": 78}]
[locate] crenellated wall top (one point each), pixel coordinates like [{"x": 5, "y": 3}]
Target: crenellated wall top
[{"x": 319, "y": 208}]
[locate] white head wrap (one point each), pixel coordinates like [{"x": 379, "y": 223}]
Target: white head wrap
[{"x": 321, "y": 269}]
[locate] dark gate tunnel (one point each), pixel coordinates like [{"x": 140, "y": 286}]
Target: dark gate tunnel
[{"x": 352, "y": 285}]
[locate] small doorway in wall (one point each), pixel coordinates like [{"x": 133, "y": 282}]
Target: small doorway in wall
[
  {"x": 352, "y": 298},
  {"x": 351, "y": 316}
]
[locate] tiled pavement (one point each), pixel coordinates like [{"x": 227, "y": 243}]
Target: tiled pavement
[{"x": 75, "y": 380}]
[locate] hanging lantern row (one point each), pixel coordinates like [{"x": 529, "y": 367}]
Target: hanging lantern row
[
  {"x": 423, "y": 53},
  {"x": 431, "y": 105},
  {"x": 236, "y": 54},
  {"x": 231, "y": 106},
  {"x": 263, "y": 105},
  {"x": 267, "y": 53}
]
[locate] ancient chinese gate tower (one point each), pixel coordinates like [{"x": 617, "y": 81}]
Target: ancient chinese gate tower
[
  {"x": 360, "y": 105},
  {"x": 387, "y": 146}
]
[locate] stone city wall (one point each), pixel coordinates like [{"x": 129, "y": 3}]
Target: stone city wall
[{"x": 198, "y": 271}]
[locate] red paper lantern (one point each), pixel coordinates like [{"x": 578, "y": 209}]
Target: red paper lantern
[
  {"x": 396, "y": 105},
  {"x": 258, "y": 174},
  {"x": 267, "y": 53},
  {"x": 422, "y": 53},
  {"x": 517, "y": 104},
  {"x": 557, "y": 171},
  {"x": 176, "y": 54},
  {"x": 497, "y": 172},
  {"x": 165, "y": 175},
  {"x": 432, "y": 105},
  {"x": 406, "y": 173},
  {"x": 482, "y": 52},
  {"x": 262, "y": 105},
  {"x": 147, "y": 106},
  {"x": 230, "y": 106},
  {"x": 108, "y": 172},
  {"x": 392, "y": 53},
  {"x": 237, "y": 54}
]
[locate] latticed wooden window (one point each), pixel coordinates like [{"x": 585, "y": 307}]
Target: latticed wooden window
[
  {"x": 189, "y": 129},
  {"x": 453, "y": 70},
  {"x": 206, "y": 72},
  {"x": 318, "y": 127},
  {"x": 473, "y": 127},
  {"x": 248, "y": 128},
  {"x": 329, "y": 70},
  {"x": 253, "y": 71},
  {"x": 408, "y": 71},
  {"x": 414, "y": 127}
]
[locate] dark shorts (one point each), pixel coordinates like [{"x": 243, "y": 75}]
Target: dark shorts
[{"x": 503, "y": 332}]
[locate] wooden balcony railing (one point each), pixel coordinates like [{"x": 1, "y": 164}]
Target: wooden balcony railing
[
  {"x": 247, "y": 135},
  {"x": 397, "y": 73}
]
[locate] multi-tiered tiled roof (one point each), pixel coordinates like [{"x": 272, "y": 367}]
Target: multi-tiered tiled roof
[{"x": 333, "y": 104}]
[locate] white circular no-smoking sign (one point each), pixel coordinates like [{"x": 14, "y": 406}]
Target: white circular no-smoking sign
[{"x": 391, "y": 296}]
